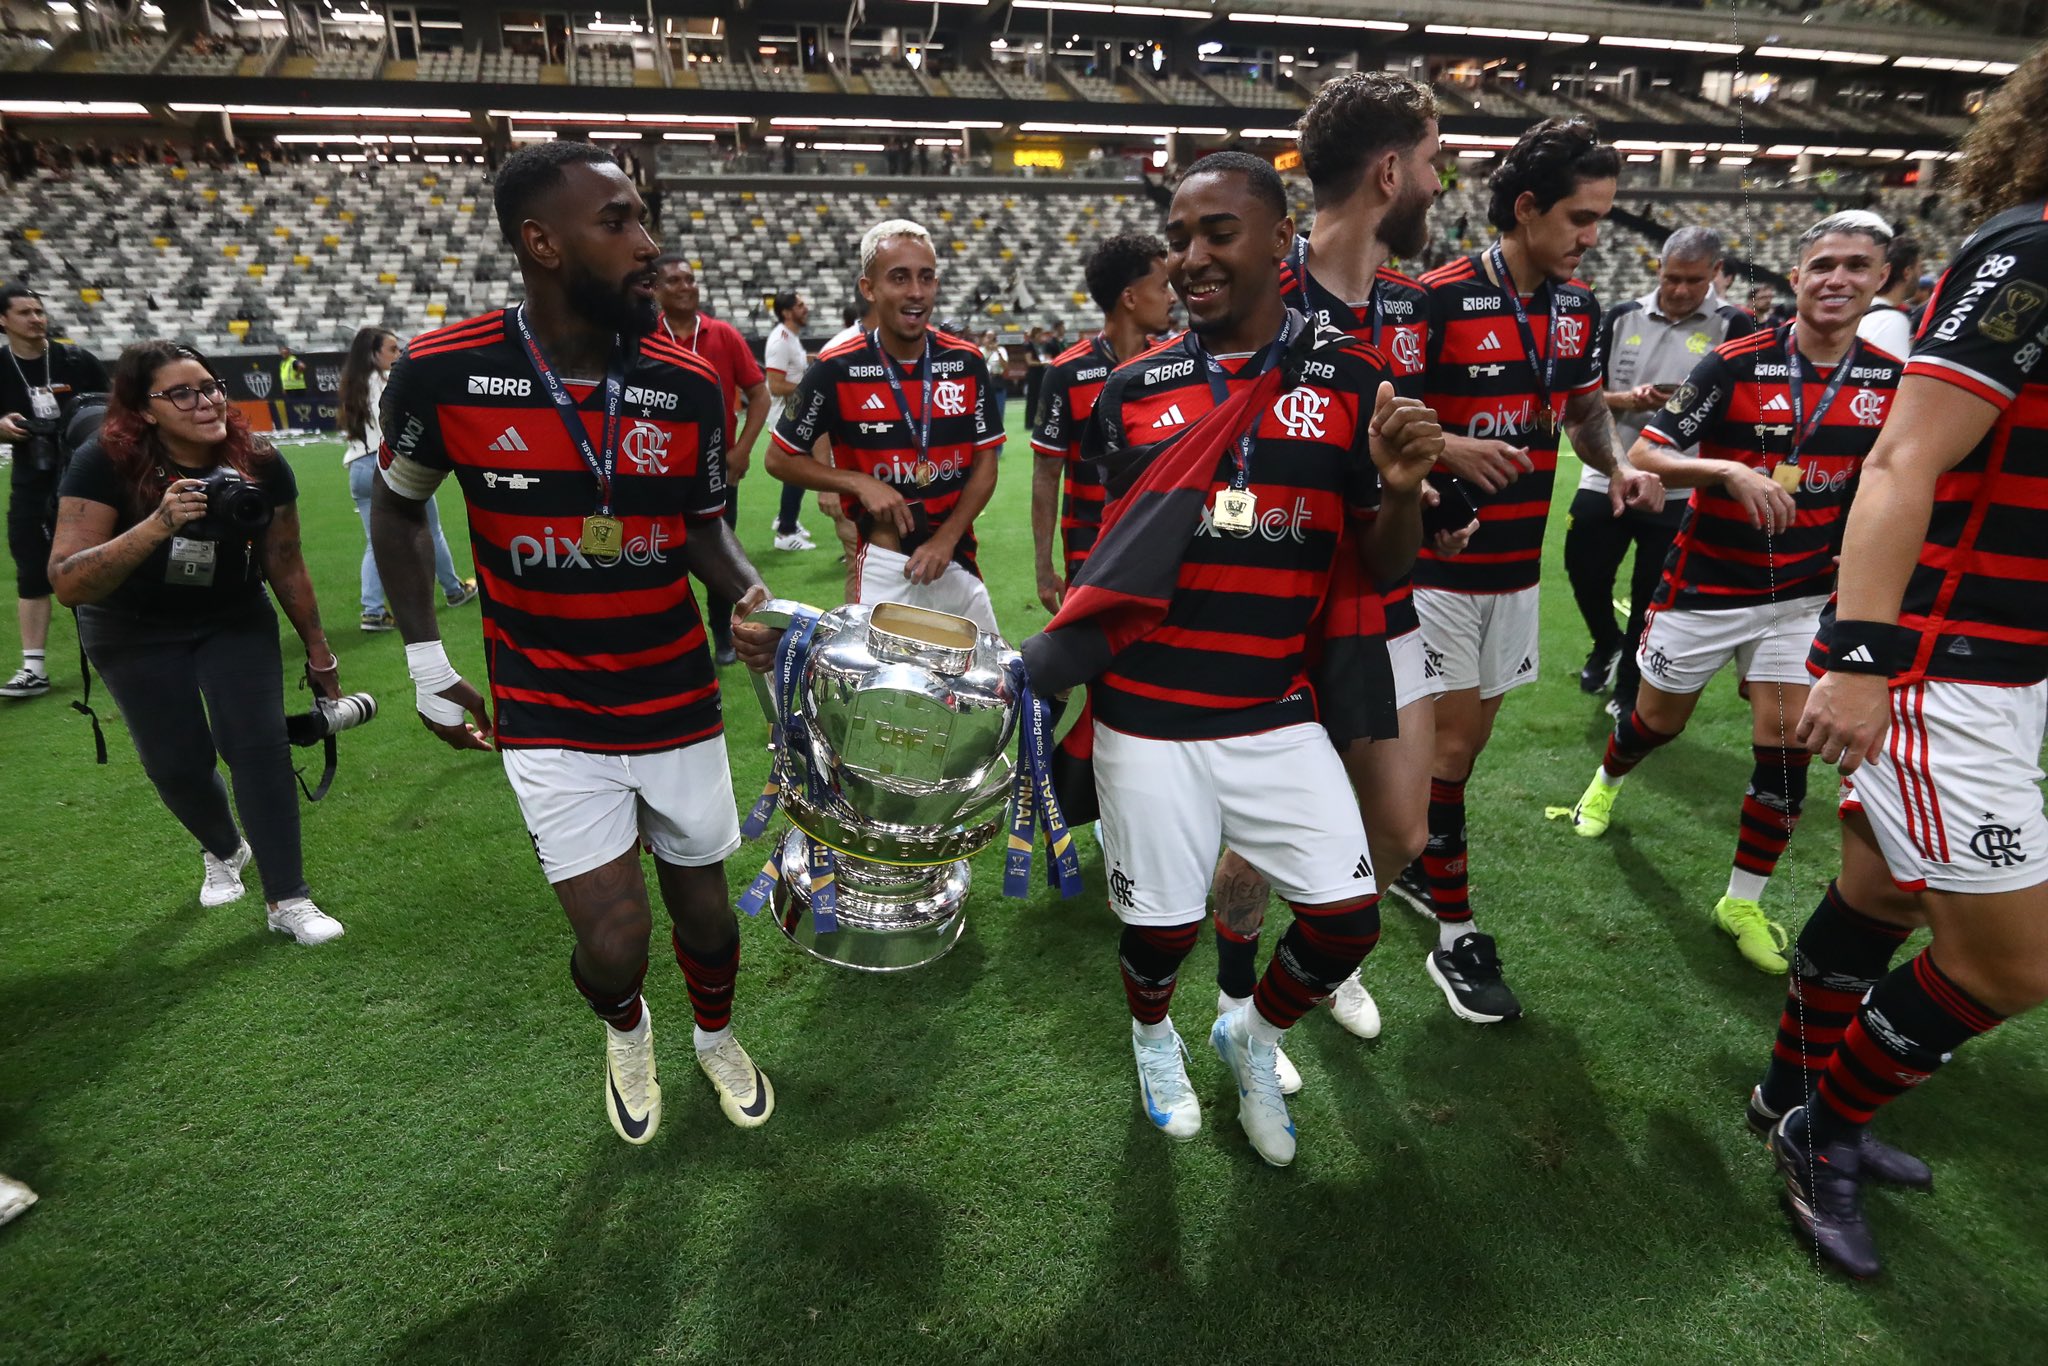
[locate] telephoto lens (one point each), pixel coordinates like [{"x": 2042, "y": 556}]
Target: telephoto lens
[{"x": 330, "y": 717}]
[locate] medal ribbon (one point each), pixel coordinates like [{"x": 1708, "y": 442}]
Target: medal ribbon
[
  {"x": 1033, "y": 803},
  {"x": 601, "y": 466},
  {"x": 1546, "y": 377},
  {"x": 1298, "y": 259},
  {"x": 792, "y": 748},
  {"x": 1795, "y": 387},
  {"x": 1219, "y": 393},
  {"x": 920, "y": 435}
]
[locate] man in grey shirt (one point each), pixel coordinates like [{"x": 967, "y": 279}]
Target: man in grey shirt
[{"x": 1649, "y": 346}]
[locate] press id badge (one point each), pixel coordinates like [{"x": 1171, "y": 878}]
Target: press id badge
[
  {"x": 192, "y": 562},
  {"x": 42, "y": 404}
]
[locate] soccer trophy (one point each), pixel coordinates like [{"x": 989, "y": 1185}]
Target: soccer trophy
[{"x": 892, "y": 728}]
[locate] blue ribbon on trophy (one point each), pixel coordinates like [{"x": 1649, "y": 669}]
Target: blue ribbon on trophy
[
  {"x": 1033, "y": 803},
  {"x": 792, "y": 755}
]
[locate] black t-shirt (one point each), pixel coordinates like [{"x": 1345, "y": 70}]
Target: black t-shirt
[
  {"x": 66, "y": 370},
  {"x": 193, "y": 588}
]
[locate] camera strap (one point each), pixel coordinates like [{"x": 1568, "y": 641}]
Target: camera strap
[
  {"x": 330, "y": 752},
  {"x": 83, "y": 705}
]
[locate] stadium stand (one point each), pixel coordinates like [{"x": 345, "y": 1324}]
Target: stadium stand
[
  {"x": 895, "y": 80},
  {"x": 608, "y": 64},
  {"x": 508, "y": 68},
  {"x": 972, "y": 85},
  {"x": 357, "y": 61},
  {"x": 462, "y": 64}
]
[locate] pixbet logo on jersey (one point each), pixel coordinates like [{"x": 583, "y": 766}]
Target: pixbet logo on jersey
[
  {"x": 901, "y": 471},
  {"x": 563, "y": 552},
  {"x": 646, "y": 445},
  {"x": 1274, "y": 524}
]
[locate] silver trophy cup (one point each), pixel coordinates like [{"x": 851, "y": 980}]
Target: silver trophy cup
[{"x": 896, "y": 756}]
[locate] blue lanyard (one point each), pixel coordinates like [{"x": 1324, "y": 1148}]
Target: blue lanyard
[
  {"x": 1546, "y": 379},
  {"x": 604, "y": 465},
  {"x": 920, "y": 435},
  {"x": 1298, "y": 260},
  {"x": 1795, "y": 385},
  {"x": 1219, "y": 393}
]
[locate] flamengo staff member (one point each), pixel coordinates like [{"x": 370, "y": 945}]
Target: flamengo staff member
[
  {"x": 34, "y": 383},
  {"x": 1783, "y": 420},
  {"x": 589, "y": 449},
  {"x": 1513, "y": 355},
  {"x": 1933, "y": 699},
  {"x": 907, "y": 409},
  {"x": 1205, "y": 721}
]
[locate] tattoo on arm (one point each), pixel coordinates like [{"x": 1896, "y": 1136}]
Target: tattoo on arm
[
  {"x": 87, "y": 562},
  {"x": 285, "y": 567},
  {"x": 1592, "y": 429}
]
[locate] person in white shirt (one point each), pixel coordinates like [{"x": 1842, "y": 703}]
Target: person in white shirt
[
  {"x": 370, "y": 358},
  {"x": 1887, "y": 325},
  {"x": 998, "y": 361},
  {"x": 784, "y": 361}
]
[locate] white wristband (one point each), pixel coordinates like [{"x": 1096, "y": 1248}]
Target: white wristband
[{"x": 431, "y": 672}]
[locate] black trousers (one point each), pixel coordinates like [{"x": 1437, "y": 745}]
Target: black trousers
[
  {"x": 193, "y": 693},
  {"x": 1595, "y": 544},
  {"x": 31, "y": 508},
  {"x": 718, "y": 611}
]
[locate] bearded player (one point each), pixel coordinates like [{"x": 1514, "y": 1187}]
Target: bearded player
[{"x": 590, "y": 453}]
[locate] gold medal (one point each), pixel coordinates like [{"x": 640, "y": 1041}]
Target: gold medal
[
  {"x": 924, "y": 471},
  {"x": 603, "y": 536},
  {"x": 1236, "y": 509},
  {"x": 1787, "y": 476},
  {"x": 1546, "y": 420}
]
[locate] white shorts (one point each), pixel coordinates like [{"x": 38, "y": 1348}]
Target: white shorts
[
  {"x": 1279, "y": 798},
  {"x": 1480, "y": 640},
  {"x": 880, "y": 579},
  {"x": 1683, "y": 648},
  {"x": 584, "y": 810},
  {"x": 1414, "y": 680},
  {"x": 1954, "y": 795}
]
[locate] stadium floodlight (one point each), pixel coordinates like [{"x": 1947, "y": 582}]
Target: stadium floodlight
[
  {"x": 1131, "y": 129},
  {"x": 691, "y": 137},
  {"x": 1318, "y": 21},
  {"x": 324, "y": 111},
  {"x": 71, "y": 108},
  {"x": 532, "y": 116},
  {"x": 1527, "y": 35},
  {"x": 1072, "y": 6},
  {"x": 948, "y": 126},
  {"x": 1669, "y": 44},
  {"x": 615, "y": 135},
  {"x": 1257, "y": 133},
  {"x": 533, "y": 135},
  {"x": 1820, "y": 54}
]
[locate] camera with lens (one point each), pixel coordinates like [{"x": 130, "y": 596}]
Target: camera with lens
[
  {"x": 234, "y": 507},
  {"x": 42, "y": 450},
  {"x": 330, "y": 717}
]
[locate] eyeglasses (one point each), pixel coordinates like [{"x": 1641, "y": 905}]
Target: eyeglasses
[{"x": 185, "y": 398}]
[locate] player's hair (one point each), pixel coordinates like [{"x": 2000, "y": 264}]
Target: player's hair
[
  {"x": 1902, "y": 259},
  {"x": 353, "y": 407},
  {"x": 1117, "y": 263},
  {"x": 851, "y": 314},
  {"x": 134, "y": 446},
  {"x": 672, "y": 258},
  {"x": 1853, "y": 222},
  {"x": 1258, "y": 173},
  {"x": 1549, "y": 162},
  {"x": 871, "y": 240},
  {"x": 1694, "y": 242},
  {"x": 783, "y": 303},
  {"x": 2005, "y": 158},
  {"x": 9, "y": 293},
  {"x": 1354, "y": 120},
  {"x": 532, "y": 172}
]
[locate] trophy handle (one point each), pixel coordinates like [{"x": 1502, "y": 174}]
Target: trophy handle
[{"x": 776, "y": 614}]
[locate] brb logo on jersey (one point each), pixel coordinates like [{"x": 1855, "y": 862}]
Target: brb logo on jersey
[
  {"x": 1868, "y": 407},
  {"x": 650, "y": 398},
  {"x": 646, "y": 445},
  {"x": 497, "y": 386},
  {"x": 949, "y": 398},
  {"x": 1301, "y": 410}
]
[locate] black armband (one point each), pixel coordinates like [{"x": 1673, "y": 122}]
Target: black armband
[{"x": 1870, "y": 647}]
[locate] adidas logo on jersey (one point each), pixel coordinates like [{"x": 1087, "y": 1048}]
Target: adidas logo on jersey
[
  {"x": 1172, "y": 417},
  {"x": 1491, "y": 342},
  {"x": 510, "y": 440},
  {"x": 1777, "y": 404},
  {"x": 874, "y": 404}
]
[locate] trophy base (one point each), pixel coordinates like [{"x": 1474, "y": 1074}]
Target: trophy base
[{"x": 890, "y": 918}]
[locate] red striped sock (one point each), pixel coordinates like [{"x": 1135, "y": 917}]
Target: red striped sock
[
  {"x": 1443, "y": 858},
  {"x": 1840, "y": 955},
  {"x": 709, "y": 978},
  {"x": 1770, "y": 808},
  {"x": 1323, "y": 946},
  {"x": 1150, "y": 957},
  {"x": 1910, "y": 1024},
  {"x": 1630, "y": 743}
]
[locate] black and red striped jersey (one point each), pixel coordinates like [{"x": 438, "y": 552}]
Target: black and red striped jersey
[
  {"x": 846, "y": 395},
  {"x": 1737, "y": 406},
  {"x": 1065, "y": 403},
  {"x": 1979, "y": 594},
  {"x": 1483, "y": 383},
  {"x": 1232, "y": 655},
  {"x": 584, "y": 652},
  {"x": 1396, "y": 322}
]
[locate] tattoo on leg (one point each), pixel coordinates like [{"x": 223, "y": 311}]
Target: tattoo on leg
[{"x": 1240, "y": 895}]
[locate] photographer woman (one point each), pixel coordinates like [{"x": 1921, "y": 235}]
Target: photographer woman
[
  {"x": 169, "y": 524},
  {"x": 370, "y": 358}
]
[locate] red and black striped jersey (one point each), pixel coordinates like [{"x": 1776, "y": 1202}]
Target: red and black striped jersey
[
  {"x": 1737, "y": 406},
  {"x": 584, "y": 652},
  {"x": 1979, "y": 594},
  {"x": 1232, "y": 655},
  {"x": 1400, "y": 307},
  {"x": 1483, "y": 383},
  {"x": 846, "y": 395},
  {"x": 1065, "y": 403}
]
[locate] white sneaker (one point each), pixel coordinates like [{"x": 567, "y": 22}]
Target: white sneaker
[
  {"x": 14, "y": 1197},
  {"x": 1261, "y": 1109},
  {"x": 298, "y": 917},
  {"x": 632, "y": 1096},
  {"x": 1355, "y": 1009},
  {"x": 1290, "y": 1076},
  {"x": 794, "y": 540},
  {"x": 1163, "y": 1090},
  {"x": 224, "y": 877},
  {"x": 744, "y": 1093}
]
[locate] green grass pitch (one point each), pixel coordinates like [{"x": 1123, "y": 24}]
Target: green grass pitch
[{"x": 392, "y": 1148}]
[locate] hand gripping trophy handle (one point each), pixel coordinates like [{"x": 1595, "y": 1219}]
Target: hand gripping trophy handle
[{"x": 776, "y": 614}]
